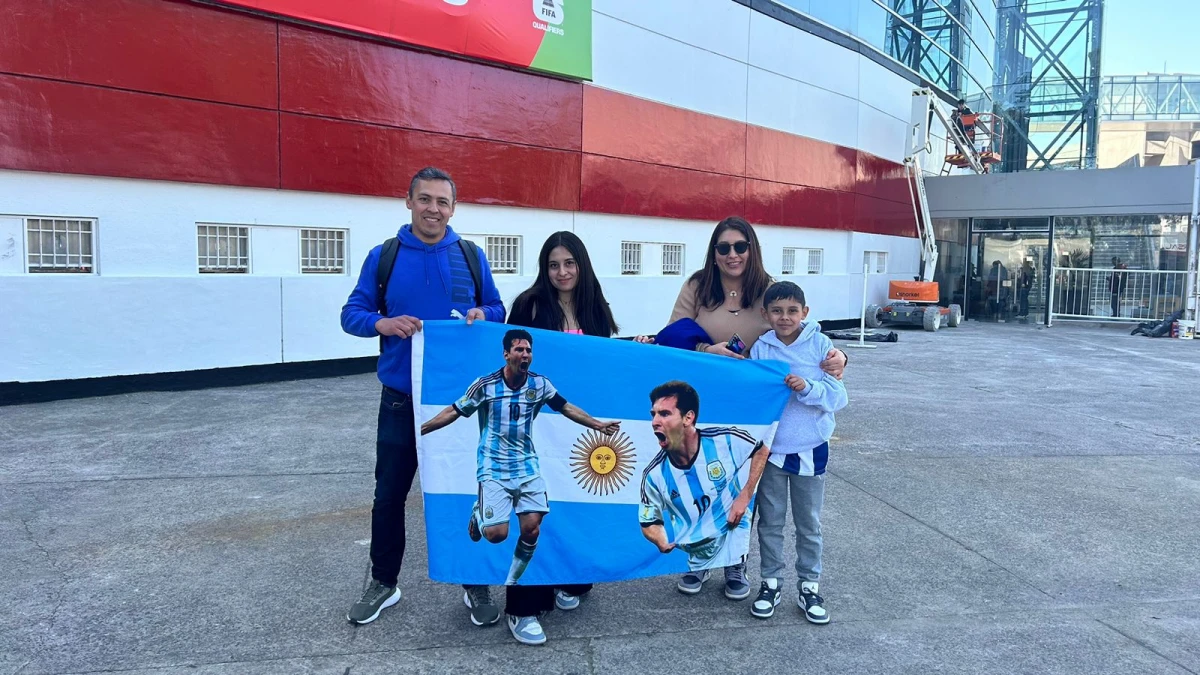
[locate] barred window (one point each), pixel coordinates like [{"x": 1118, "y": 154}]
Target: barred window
[
  {"x": 322, "y": 251},
  {"x": 504, "y": 254},
  {"x": 816, "y": 258},
  {"x": 223, "y": 249},
  {"x": 875, "y": 261},
  {"x": 59, "y": 245},
  {"x": 810, "y": 258},
  {"x": 631, "y": 257},
  {"x": 672, "y": 259}
]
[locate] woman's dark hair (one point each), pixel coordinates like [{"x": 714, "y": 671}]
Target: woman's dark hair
[
  {"x": 709, "y": 292},
  {"x": 538, "y": 305}
]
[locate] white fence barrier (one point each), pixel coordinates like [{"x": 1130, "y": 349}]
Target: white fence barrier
[{"x": 1116, "y": 295}]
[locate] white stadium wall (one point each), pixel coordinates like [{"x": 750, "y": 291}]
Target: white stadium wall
[{"x": 146, "y": 308}]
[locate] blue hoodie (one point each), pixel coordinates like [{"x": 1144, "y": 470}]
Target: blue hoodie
[
  {"x": 807, "y": 423},
  {"x": 428, "y": 282}
]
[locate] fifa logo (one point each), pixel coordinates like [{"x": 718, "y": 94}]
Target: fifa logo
[{"x": 550, "y": 11}]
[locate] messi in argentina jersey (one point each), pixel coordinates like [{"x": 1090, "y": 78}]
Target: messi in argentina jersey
[
  {"x": 693, "y": 502},
  {"x": 506, "y": 423}
]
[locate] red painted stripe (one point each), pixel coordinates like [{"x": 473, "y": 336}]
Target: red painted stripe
[
  {"x": 787, "y": 158},
  {"x": 373, "y": 114},
  {"x": 71, "y": 128},
  {"x": 332, "y": 76},
  {"x": 880, "y": 216},
  {"x": 799, "y": 206},
  {"x": 144, "y": 45},
  {"x": 354, "y": 158},
  {"x": 618, "y": 125},
  {"x": 613, "y": 185},
  {"x": 882, "y": 179}
]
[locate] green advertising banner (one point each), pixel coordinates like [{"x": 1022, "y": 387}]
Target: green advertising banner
[{"x": 553, "y": 36}]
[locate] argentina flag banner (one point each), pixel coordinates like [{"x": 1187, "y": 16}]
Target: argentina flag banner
[{"x": 543, "y": 459}]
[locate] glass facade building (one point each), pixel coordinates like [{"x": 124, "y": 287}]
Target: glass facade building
[{"x": 949, "y": 43}]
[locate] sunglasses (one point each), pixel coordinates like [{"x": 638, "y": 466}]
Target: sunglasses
[{"x": 741, "y": 247}]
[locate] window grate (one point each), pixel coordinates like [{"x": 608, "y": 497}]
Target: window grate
[
  {"x": 875, "y": 261},
  {"x": 631, "y": 257},
  {"x": 816, "y": 259},
  {"x": 813, "y": 259},
  {"x": 672, "y": 259},
  {"x": 223, "y": 249},
  {"x": 504, "y": 254},
  {"x": 789, "y": 261},
  {"x": 322, "y": 251},
  {"x": 59, "y": 245}
]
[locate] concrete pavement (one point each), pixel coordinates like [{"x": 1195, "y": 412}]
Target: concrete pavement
[{"x": 1001, "y": 499}]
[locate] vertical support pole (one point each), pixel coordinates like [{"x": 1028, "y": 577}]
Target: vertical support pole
[{"x": 862, "y": 313}]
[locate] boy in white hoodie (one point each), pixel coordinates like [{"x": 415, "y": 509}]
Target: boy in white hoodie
[{"x": 799, "y": 452}]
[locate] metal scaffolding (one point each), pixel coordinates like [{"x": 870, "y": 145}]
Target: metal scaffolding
[
  {"x": 916, "y": 30},
  {"x": 1047, "y": 82}
]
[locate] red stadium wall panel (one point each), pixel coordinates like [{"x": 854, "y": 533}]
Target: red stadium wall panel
[
  {"x": 71, "y": 128},
  {"x": 169, "y": 90}
]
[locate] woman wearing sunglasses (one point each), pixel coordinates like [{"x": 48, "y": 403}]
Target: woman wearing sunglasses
[{"x": 724, "y": 298}]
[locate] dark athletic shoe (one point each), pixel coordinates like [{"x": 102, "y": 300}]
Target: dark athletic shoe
[
  {"x": 812, "y": 604},
  {"x": 736, "y": 586},
  {"x": 766, "y": 602},
  {"x": 692, "y": 582},
  {"x": 374, "y": 600},
  {"x": 479, "y": 601}
]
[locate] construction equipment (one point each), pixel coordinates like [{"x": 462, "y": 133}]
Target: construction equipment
[{"x": 915, "y": 303}]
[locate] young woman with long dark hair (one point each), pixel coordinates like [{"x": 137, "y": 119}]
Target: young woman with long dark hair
[
  {"x": 725, "y": 298},
  {"x": 566, "y": 296}
]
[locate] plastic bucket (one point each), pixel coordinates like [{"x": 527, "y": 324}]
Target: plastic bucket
[{"x": 1187, "y": 329}]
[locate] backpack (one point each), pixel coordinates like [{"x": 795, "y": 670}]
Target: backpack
[{"x": 387, "y": 261}]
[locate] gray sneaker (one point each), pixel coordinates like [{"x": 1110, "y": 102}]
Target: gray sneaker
[
  {"x": 527, "y": 630},
  {"x": 736, "y": 586},
  {"x": 479, "y": 601},
  {"x": 374, "y": 600},
  {"x": 692, "y": 582}
]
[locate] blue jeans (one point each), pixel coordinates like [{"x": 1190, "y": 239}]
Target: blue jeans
[
  {"x": 808, "y": 496},
  {"x": 395, "y": 467}
]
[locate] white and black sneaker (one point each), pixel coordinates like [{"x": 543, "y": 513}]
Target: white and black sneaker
[
  {"x": 767, "y": 600},
  {"x": 812, "y": 604}
]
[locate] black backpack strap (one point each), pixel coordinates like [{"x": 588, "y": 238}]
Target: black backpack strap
[
  {"x": 471, "y": 253},
  {"x": 383, "y": 273}
]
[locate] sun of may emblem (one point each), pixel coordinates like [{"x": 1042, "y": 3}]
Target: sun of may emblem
[{"x": 602, "y": 464}]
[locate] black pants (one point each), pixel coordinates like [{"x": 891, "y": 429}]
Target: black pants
[
  {"x": 395, "y": 467},
  {"x": 1116, "y": 304},
  {"x": 533, "y": 600},
  {"x": 1023, "y": 302}
]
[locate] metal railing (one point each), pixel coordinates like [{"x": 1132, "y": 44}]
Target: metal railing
[{"x": 1115, "y": 295}]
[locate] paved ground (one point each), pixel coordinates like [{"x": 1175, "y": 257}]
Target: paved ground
[{"x": 1002, "y": 499}]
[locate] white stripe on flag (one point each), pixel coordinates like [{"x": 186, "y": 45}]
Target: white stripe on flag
[{"x": 449, "y": 457}]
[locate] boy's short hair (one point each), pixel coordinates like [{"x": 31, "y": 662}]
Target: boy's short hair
[
  {"x": 512, "y": 336},
  {"x": 783, "y": 290}
]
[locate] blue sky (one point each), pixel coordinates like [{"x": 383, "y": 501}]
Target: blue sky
[{"x": 1139, "y": 35}]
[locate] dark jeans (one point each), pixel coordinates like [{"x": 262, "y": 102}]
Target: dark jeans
[
  {"x": 1116, "y": 304},
  {"x": 1023, "y": 302},
  {"x": 395, "y": 467},
  {"x": 533, "y": 600}
]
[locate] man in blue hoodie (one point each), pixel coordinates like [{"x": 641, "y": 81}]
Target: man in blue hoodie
[{"x": 431, "y": 279}]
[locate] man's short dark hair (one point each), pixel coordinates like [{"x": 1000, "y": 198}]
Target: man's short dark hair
[
  {"x": 783, "y": 290},
  {"x": 516, "y": 334},
  {"x": 433, "y": 173},
  {"x": 686, "y": 398}
]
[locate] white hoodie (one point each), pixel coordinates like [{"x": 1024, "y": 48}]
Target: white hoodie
[{"x": 808, "y": 421}]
